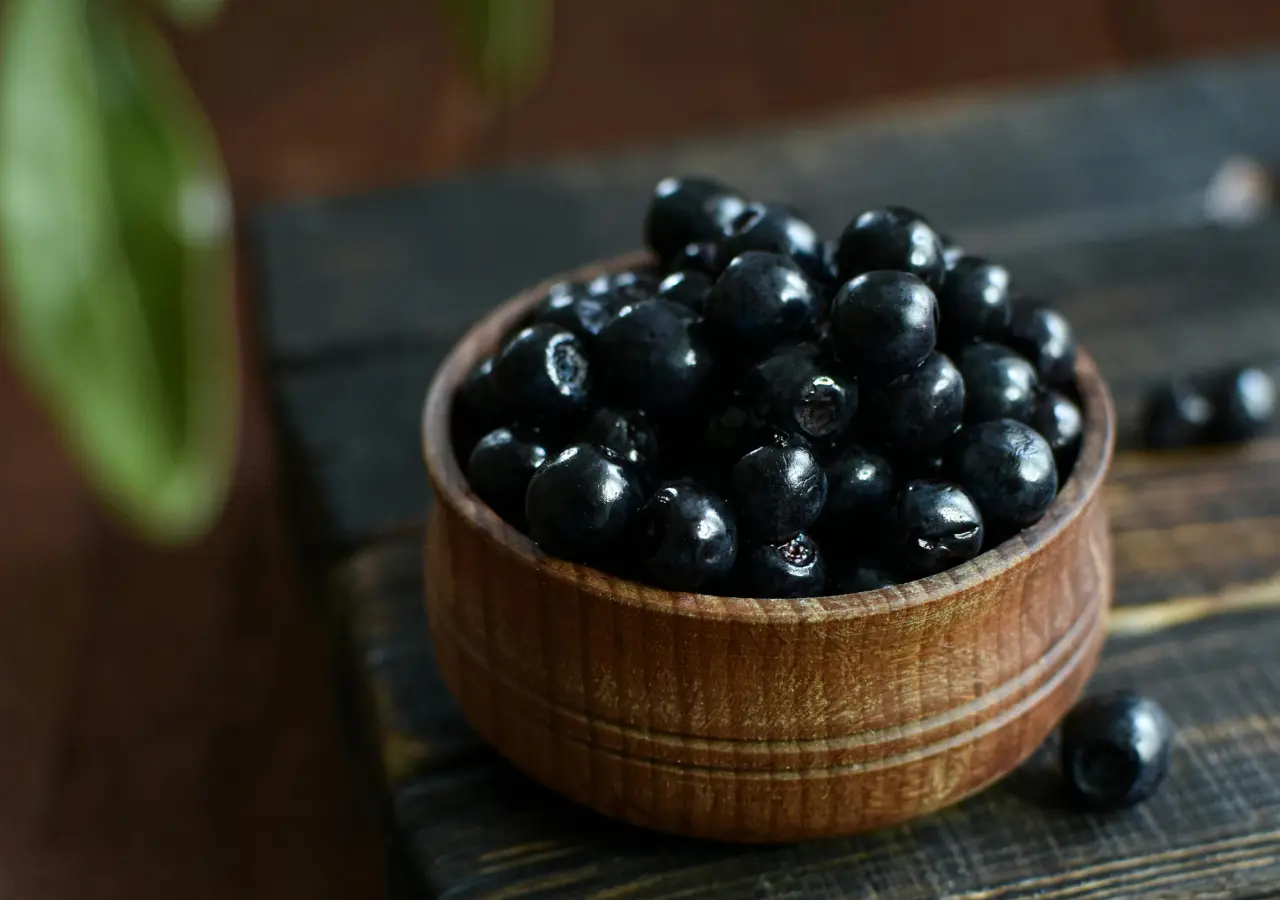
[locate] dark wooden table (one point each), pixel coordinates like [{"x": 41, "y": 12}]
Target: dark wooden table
[{"x": 1093, "y": 194}]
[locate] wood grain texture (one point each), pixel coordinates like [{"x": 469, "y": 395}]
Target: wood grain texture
[{"x": 741, "y": 719}]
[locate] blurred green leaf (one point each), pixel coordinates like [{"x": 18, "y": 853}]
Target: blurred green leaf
[
  {"x": 192, "y": 13},
  {"x": 114, "y": 227},
  {"x": 507, "y": 40}
]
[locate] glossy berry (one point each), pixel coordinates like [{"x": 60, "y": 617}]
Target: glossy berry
[
  {"x": 891, "y": 238},
  {"x": 1042, "y": 335},
  {"x": 830, "y": 275},
  {"x": 883, "y": 324},
  {"x": 791, "y": 568},
  {"x": 774, "y": 229},
  {"x": 688, "y": 537},
  {"x": 731, "y": 431},
  {"x": 916, "y": 413},
  {"x": 778, "y": 490},
  {"x": 477, "y": 403},
  {"x": 688, "y": 210},
  {"x": 689, "y": 289},
  {"x": 762, "y": 300},
  {"x": 1008, "y": 470},
  {"x": 861, "y": 577},
  {"x": 653, "y": 363},
  {"x": 791, "y": 391},
  {"x": 951, "y": 251},
  {"x": 1244, "y": 403},
  {"x": 933, "y": 526},
  {"x": 581, "y": 504},
  {"x": 628, "y": 435},
  {"x": 1061, "y": 424},
  {"x": 543, "y": 373},
  {"x": 860, "y": 490},
  {"x": 571, "y": 307},
  {"x": 974, "y": 301},
  {"x": 1175, "y": 413},
  {"x": 1116, "y": 750},
  {"x": 624, "y": 288},
  {"x": 704, "y": 258},
  {"x": 499, "y": 470},
  {"x": 998, "y": 384}
]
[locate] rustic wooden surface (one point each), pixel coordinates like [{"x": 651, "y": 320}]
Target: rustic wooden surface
[{"x": 1095, "y": 194}]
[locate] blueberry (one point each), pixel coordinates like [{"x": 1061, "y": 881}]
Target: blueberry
[
  {"x": 731, "y": 431},
  {"x": 569, "y": 306},
  {"x": 581, "y": 504},
  {"x": 1116, "y": 749},
  {"x": 499, "y": 470},
  {"x": 891, "y": 238},
  {"x": 998, "y": 384},
  {"x": 688, "y": 210},
  {"x": 883, "y": 324},
  {"x": 703, "y": 258},
  {"x": 866, "y": 576},
  {"x": 652, "y": 362},
  {"x": 689, "y": 289},
  {"x": 778, "y": 490},
  {"x": 543, "y": 373},
  {"x": 1061, "y": 424},
  {"x": 762, "y": 300},
  {"x": 1244, "y": 403},
  {"x": 1175, "y": 413},
  {"x": 1042, "y": 335},
  {"x": 933, "y": 526},
  {"x": 974, "y": 301},
  {"x": 624, "y": 288},
  {"x": 916, "y": 413},
  {"x": 774, "y": 229},
  {"x": 830, "y": 275},
  {"x": 859, "y": 493},
  {"x": 791, "y": 568},
  {"x": 1008, "y": 470},
  {"x": 688, "y": 537},
  {"x": 791, "y": 391},
  {"x": 951, "y": 251},
  {"x": 628, "y": 435},
  {"x": 477, "y": 404}
]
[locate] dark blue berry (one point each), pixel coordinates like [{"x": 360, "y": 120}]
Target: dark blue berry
[
  {"x": 916, "y": 413},
  {"x": 891, "y": 238},
  {"x": 689, "y": 289},
  {"x": 883, "y": 324},
  {"x": 860, "y": 490},
  {"x": 778, "y": 490},
  {"x": 543, "y": 373},
  {"x": 686, "y": 211},
  {"x": 1042, "y": 335},
  {"x": 998, "y": 384},
  {"x": 933, "y": 526},
  {"x": 703, "y": 258},
  {"x": 628, "y": 435},
  {"x": 791, "y": 391},
  {"x": 1061, "y": 424},
  {"x": 688, "y": 537},
  {"x": 499, "y": 470},
  {"x": 624, "y": 288},
  {"x": 1007, "y": 468},
  {"x": 581, "y": 504},
  {"x": 1176, "y": 413},
  {"x": 792, "y": 568},
  {"x": 477, "y": 403},
  {"x": 569, "y": 306},
  {"x": 951, "y": 251},
  {"x": 1116, "y": 750},
  {"x": 774, "y": 229},
  {"x": 760, "y": 301},
  {"x": 974, "y": 301},
  {"x": 866, "y": 576},
  {"x": 1244, "y": 403},
  {"x": 651, "y": 361}
]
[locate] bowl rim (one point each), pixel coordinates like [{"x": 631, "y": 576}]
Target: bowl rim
[{"x": 451, "y": 487}]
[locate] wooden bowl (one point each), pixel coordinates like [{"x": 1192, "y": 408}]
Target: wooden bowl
[{"x": 762, "y": 720}]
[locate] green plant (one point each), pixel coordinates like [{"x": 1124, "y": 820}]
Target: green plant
[{"x": 115, "y": 241}]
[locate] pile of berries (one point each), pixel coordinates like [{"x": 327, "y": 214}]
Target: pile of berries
[{"x": 764, "y": 413}]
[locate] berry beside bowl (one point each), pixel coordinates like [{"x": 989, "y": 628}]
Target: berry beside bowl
[{"x": 811, "y": 542}]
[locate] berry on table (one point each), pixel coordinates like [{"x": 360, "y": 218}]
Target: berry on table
[
  {"x": 933, "y": 526},
  {"x": 917, "y": 412},
  {"x": 1042, "y": 335},
  {"x": 778, "y": 490},
  {"x": 974, "y": 301},
  {"x": 1175, "y": 413},
  {"x": 686, "y": 211},
  {"x": 998, "y": 384},
  {"x": 499, "y": 470},
  {"x": 581, "y": 504},
  {"x": 1007, "y": 468},
  {"x": 760, "y": 301},
  {"x": 653, "y": 363},
  {"x": 1244, "y": 403},
  {"x": 1116, "y": 750},
  {"x": 791, "y": 568},
  {"x": 688, "y": 537},
  {"x": 543, "y": 372},
  {"x": 891, "y": 238},
  {"x": 883, "y": 324}
]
